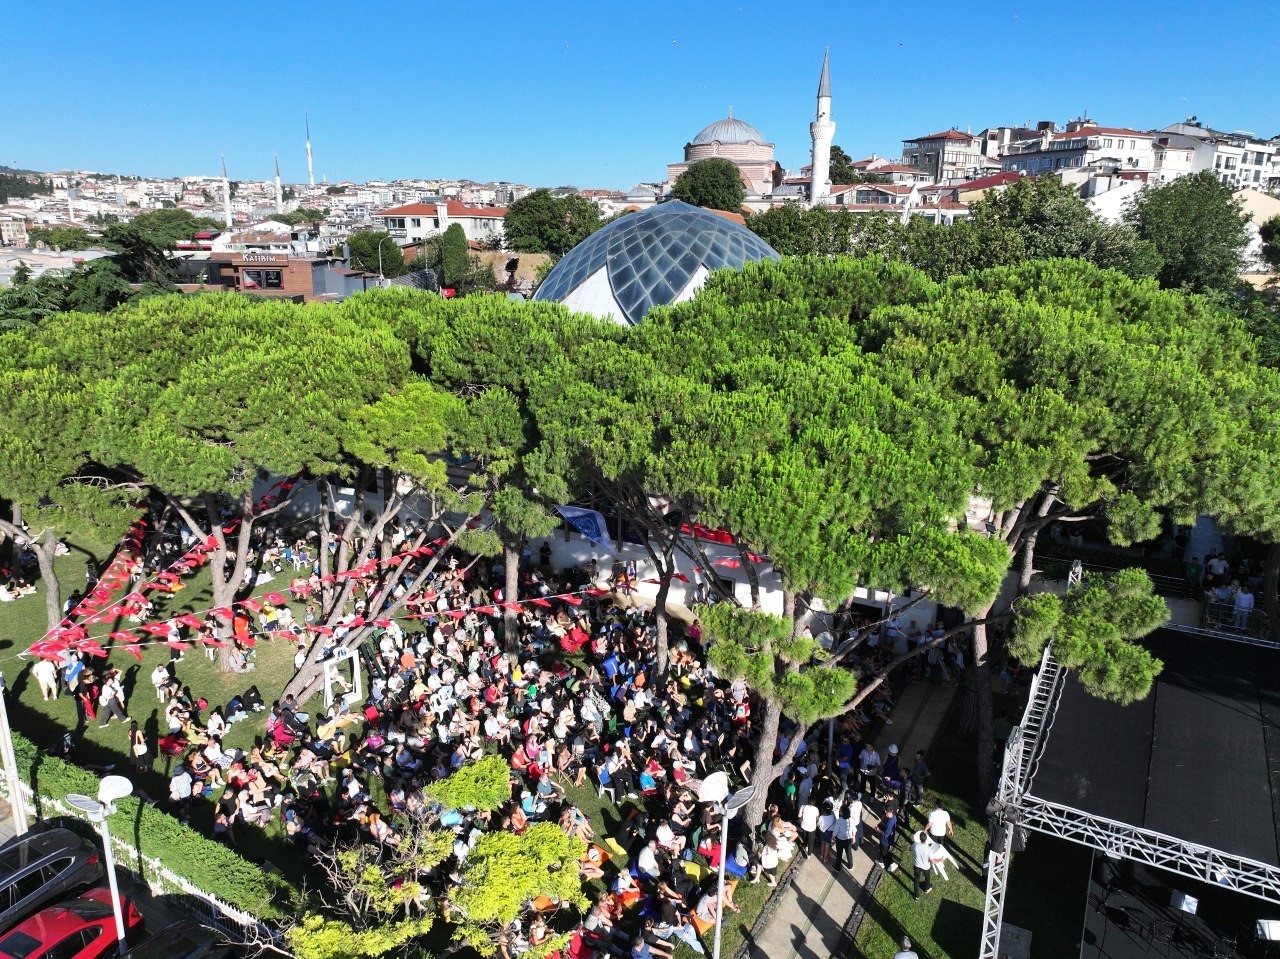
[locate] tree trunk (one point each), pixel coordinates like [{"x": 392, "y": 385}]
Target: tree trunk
[
  {"x": 45, "y": 548},
  {"x": 986, "y": 723},
  {"x": 1028, "y": 550},
  {"x": 762, "y": 771},
  {"x": 510, "y": 593},
  {"x": 753, "y": 575},
  {"x": 662, "y": 639}
]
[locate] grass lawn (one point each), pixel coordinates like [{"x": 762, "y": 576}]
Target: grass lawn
[
  {"x": 23, "y": 622},
  {"x": 946, "y": 923}
]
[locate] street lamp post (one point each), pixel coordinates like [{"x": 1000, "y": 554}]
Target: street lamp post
[
  {"x": 17, "y": 802},
  {"x": 715, "y": 789},
  {"x": 109, "y": 790},
  {"x": 380, "y": 242}
]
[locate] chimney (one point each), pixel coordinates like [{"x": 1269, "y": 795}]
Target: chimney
[{"x": 1046, "y": 125}]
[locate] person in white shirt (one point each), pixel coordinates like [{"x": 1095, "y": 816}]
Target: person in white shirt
[
  {"x": 809, "y": 828},
  {"x": 647, "y": 861},
  {"x": 939, "y": 824},
  {"x": 906, "y": 952},
  {"x": 922, "y": 849},
  {"x": 826, "y": 830}
]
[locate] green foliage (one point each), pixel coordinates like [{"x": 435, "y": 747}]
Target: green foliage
[
  {"x": 1036, "y": 620},
  {"x": 61, "y": 237},
  {"x": 166, "y": 228},
  {"x": 304, "y": 214},
  {"x": 319, "y": 937},
  {"x": 504, "y": 871},
  {"x": 541, "y": 223},
  {"x": 1101, "y": 619},
  {"x": 455, "y": 255},
  {"x": 141, "y": 252},
  {"x": 1198, "y": 229},
  {"x": 14, "y": 186},
  {"x": 1052, "y": 221},
  {"x": 1270, "y": 234},
  {"x": 714, "y": 183},
  {"x": 844, "y": 172},
  {"x": 207, "y": 864},
  {"x": 364, "y": 248},
  {"x": 484, "y": 784},
  {"x": 937, "y": 250}
]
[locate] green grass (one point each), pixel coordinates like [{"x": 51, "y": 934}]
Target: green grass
[
  {"x": 23, "y": 622},
  {"x": 946, "y": 923}
]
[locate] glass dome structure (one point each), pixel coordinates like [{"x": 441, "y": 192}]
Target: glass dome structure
[{"x": 649, "y": 258}]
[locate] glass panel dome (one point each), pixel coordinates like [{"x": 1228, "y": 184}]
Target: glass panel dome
[{"x": 651, "y": 255}]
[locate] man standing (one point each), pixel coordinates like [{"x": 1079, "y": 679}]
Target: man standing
[
  {"x": 1244, "y": 606},
  {"x": 869, "y": 767},
  {"x": 888, "y": 833},
  {"x": 940, "y": 827},
  {"x": 922, "y": 849}
]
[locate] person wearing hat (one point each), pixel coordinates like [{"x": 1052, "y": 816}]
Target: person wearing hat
[{"x": 906, "y": 952}]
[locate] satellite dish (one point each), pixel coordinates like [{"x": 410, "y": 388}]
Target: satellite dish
[{"x": 113, "y": 788}]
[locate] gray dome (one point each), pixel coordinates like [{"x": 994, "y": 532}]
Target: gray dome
[
  {"x": 651, "y": 256},
  {"x": 729, "y": 130}
]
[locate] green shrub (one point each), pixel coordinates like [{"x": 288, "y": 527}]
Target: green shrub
[{"x": 206, "y": 864}]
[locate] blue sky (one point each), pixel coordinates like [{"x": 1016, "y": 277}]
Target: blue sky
[{"x": 599, "y": 94}]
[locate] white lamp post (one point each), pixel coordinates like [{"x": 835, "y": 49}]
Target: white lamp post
[
  {"x": 380, "y": 242},
  {"x": 715, "y": 789},
  {"x": 110, "y": 789}
]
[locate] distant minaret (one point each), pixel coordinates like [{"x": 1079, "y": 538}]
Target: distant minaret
[
  {"x": 822, "y": 131},
  {"x": 279, "y": 189},
  {"x": 311, "y": 173},
  {"x": 226, "y": 193}
]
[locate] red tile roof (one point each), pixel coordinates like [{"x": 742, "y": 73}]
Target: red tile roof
[
  {"x": 452, "y": 208},
  {"x": 986, "y": 182},
  {"x": 951, "y": 134}
]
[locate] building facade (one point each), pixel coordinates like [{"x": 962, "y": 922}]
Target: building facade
[
  {"x": 1083, "y": 144},
  {"x": 742, "y": 145},
  {"x": 946, "y": 157},
  {"x": 415, "y": 222},
  {"x": 1239, "y": 159}
]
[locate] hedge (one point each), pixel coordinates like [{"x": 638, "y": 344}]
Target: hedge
[{"x": 206, "y": 864}]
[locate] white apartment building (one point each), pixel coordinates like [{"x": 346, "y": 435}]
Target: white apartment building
[
  {"x": 415, "y": 222},
  {"x": 1083, "y": 144},
  {"x": 1239, "y": 159}
]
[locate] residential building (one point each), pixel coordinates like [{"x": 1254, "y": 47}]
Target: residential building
[
  {"x": 1240, "y": 159},
  {"x": 947, "y": 157},
  {"x": 1083, "y": 144},
  {"x": 415, "y": 222}
]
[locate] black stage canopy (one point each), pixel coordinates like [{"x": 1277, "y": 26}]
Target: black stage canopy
[{"x": 1198, "y": 759}]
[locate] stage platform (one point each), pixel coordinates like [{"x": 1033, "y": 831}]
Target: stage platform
[{"x": 1198, "y": 759}]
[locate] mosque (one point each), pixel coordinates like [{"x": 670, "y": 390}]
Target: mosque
[
  {"x": 663, "y": 254},
  {"x": 744, "y": 146}
]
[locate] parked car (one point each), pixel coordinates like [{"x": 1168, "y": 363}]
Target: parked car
[
  {"x": 43, "y": 867},
  {"x": 83, "y": 928},
  {"x": 179, "y": 942}
]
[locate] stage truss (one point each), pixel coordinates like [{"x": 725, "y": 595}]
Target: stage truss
[{"x": 1015, "y": 808}]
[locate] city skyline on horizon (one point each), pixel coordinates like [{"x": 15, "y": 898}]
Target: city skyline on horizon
[{"x": 579, "y": 117}]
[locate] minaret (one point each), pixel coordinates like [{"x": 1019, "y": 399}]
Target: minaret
[
  {"x": 226, "y": 193},
  {"x": 311, "y": 174},
  {"x": 822, "y": 131},
  {"x": 279, "y": 189}
]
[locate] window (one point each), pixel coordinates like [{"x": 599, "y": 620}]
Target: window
[
  {"x": 394, "y": 222},
  {"x": 273, "y": 279},
  {"x": 1133, "y": 144},
  {"x": 416, "y": 221},
  {"x": 1106, "y": 142},
  {"x": 1231, "y": 163}
]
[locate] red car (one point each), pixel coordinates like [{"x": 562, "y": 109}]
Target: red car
[{"x": 83, "y": 928}]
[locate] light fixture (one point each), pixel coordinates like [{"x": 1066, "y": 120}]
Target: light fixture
[{"x": 109, "y": 790}]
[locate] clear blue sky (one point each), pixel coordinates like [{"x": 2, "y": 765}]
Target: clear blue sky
[{"x": 599, "y": 94}]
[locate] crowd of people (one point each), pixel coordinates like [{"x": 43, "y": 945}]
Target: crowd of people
[
  {"x": 1228, "y": 587},
  {"x": 573, "y": 703}
]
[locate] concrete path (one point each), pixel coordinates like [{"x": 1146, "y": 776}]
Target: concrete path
[{"x": 810, "y": 920}]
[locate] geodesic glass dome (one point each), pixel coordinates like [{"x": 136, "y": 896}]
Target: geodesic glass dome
[{"x": 649, "y": 258}]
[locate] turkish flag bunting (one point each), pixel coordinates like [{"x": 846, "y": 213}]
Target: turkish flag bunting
[
  {"x": 597, "y": 592},
  {"x": 223, "y": 612},
  {"x": 251, "y": 604},
  {"x": 187, "y": 619},
  {"x": 157, "y": 629},
  {"x": 456, "y": 613},
  {"x": 541, "y": 602},
  {"x": 322, "y": 630},
  {"x": 573, "y": 600},
  {"x": 383, "y": 623},
  {"x": 275, "y": 599},
  {"x": 727, "y": 563},
  {"x": 487, "y": 610},
  {"x": 680, "y": 576},
  {"x": 122, "y": 636}
]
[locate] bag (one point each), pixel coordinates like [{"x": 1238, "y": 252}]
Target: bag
[
  {"x": 140, "y": 749},
  {"x": 741, "y": 856}
]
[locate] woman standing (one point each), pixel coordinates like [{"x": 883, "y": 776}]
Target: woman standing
[{"x": 139, "y": 751}]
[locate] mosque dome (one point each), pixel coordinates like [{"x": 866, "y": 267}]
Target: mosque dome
[
  {"x": 649, "y": 258},
  {"x": 728, "y": 130}
]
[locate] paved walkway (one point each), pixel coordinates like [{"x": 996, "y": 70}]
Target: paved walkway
[{"x": 809, "y": 921}]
